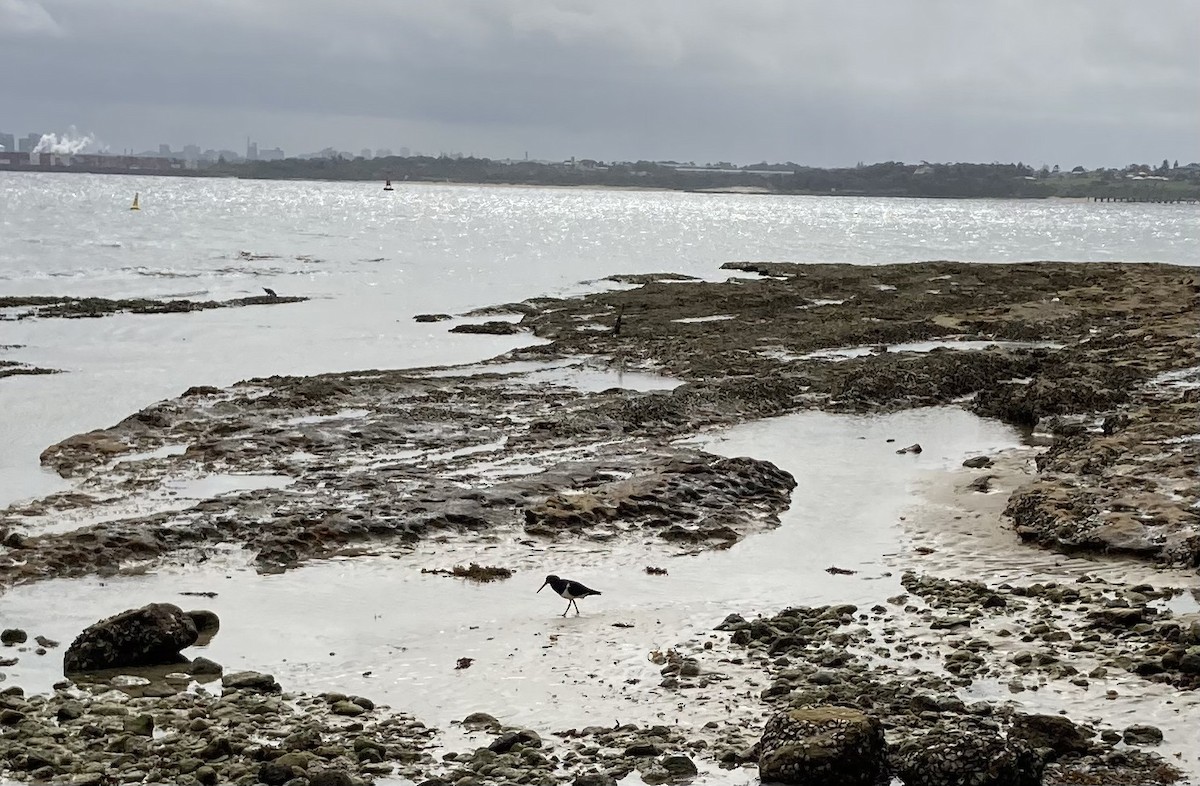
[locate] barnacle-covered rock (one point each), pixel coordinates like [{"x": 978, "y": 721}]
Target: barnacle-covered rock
[
  {"x": 823, "y": 746},
  {"x": 958, "y": 758}
]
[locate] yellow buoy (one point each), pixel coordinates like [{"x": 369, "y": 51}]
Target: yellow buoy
[{"x": 135, "y": 205}]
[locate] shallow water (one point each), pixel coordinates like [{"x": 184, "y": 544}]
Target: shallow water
[
  {"x": 380, "y": 627},
  {"x": 323, "y": 626},
  {"x": 849, "y": 353}
]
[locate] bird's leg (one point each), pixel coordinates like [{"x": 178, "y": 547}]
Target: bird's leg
[
  {"x": 576, "y": 607},
  {"x": 568, "y": 608}
]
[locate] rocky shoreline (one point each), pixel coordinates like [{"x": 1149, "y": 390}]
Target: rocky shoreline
[
  {"x": 1102, "y": 359},
  {"x": 15, "y": 307}
]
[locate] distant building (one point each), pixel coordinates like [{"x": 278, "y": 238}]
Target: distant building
[
  {"x": 271, "y": 154},
  {"x": 8, "y": 143},
  {"x": 164, "y": 151},
  {"x": 251, "y": 150},
  {"x": 366, "y": 152},
  {"x": 88, "y": 162},
  {"x": 28, "y": 143},
  {"x": 404, "y": 152},
  {"x": 383, "y": 152}
]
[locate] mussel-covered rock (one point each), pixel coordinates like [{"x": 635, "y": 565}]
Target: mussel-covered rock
[{"x": 149, "y": 636}]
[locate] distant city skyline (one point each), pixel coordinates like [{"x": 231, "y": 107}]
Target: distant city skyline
[
  {"x": 72, "y": 140},
  {"x": 191, "y": 152}
]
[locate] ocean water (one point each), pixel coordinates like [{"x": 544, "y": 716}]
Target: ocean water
[{"x": 370, "y": 260}]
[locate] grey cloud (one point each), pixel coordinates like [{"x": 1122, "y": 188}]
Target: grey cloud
[
  {"x": 26, "y": 18},
  {"x": 695, "y": 79}
]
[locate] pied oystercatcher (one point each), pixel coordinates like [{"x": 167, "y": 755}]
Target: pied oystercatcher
[{"x": 569, "y": 590}]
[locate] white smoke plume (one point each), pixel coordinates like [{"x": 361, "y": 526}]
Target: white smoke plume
[{"x": 68, "y": 144}]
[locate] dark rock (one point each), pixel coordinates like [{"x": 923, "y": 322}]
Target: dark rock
[
  {"x": 303, "y": 740},
  {"x": 978, "y": 462},
  {"x": 594, "y": 779},
  {"x": 149, "y": 636},
  {"x": 45, "y": 642},
  {"x": 431, "y": 317},
  {"x": 913, "y": 448},
  {"x": 823, "y": 746},
  {"x": 981, "y": 483},
  {"x": 731, "y": 622},
  {"x": 207, "y": 624},
  {"x": 200, "y": 390},
  {"x": 13, "y": 636},
  {"x": 679, "y": 766},
  {"x": 251, "y": 680},
  {"x": 69, "y": 710},
  {"x": 1114, "y": 423},
  {"x": 639, "y": 749},
  {"x": 506, "y": 742},
  {"x": 331, "y": 778},
  {"x": 481, "y": 720},
  {"x": 141, "y": 725},
  {"x": 494, "y": 328},
  {"x": 11, "y": 717},
  {"x": 1142, "y": 734},
  {"x": 949, "y": 757},
  {"x": 1119, "y": 617},
  {"x": 1053, "y": 732},
  {"x": 274, "y": 773},
  {"x": 347, "y": 707},
  {"x": 202, "y": 666},
  {"x": 217, "y": 748}
]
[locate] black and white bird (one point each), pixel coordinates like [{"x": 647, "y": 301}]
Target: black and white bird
[
  {"x": 270, "y": 292},
  {"x": 569, "y": 590}
]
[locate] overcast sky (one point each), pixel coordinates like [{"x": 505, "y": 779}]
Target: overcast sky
[{"x": 1092, "y": 82}]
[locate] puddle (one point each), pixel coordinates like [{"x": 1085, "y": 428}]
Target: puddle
[
  {"x": 211, "y": 486},
  {"x": 511, "y": 367},
  {"x": 345, "y": 414},
  {"x": 568, "y": 374},
  {"x": 817, "y": 302},
  {"x": 591, "y": 380},
  {"x": 714, "y": 318},
  {"x": 164, "y": 452},
  {"x": 1186, "y": 378},
  {"x": 847, "y": 353},
  {"x": 479, "y": 319},
  {"x": 1184, "y": 602},
  {"x": 177, "y": 494}
]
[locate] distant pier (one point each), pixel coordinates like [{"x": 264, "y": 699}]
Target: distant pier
[{"x": 1157, "y": 198}]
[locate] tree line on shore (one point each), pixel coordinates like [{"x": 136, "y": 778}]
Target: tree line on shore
[{"x": 883, "y": 179}]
